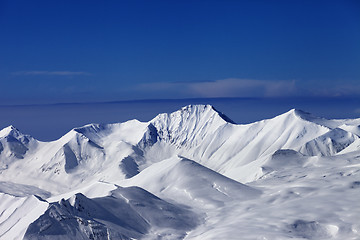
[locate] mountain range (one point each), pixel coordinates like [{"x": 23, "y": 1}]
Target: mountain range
[{"x": 190, "y": 174}]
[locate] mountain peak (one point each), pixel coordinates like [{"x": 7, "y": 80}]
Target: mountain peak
[
  {"x": 299, "y": 114},
  {"x": 198, "y": 111},
  {"x": 196, "y": 108},
  {"x": 302, "y": 114},
  {"x": 306, "y": 116},
  {"x": 10, "y": 130},
  {"x": 188, "y": 125}
]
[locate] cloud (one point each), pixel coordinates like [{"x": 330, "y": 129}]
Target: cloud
[
  {"x": 243, "y": 88},
  {"x": 231, "y": 87},
  {"x": 51, "y": 73}
]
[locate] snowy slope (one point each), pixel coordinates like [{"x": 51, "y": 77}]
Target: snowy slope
[
  {"x": 313, "y": 198},
  {"x": 190, "y": 174},
  {"x": 17, "y": 213},
  {"x": 125, "y": 214},
  {"x": 186, "y": 181}
]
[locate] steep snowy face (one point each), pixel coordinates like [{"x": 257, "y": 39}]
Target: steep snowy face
[
  {"x": 188, "y": 126},
  {"x": 355, "y": 129},
  {"x": 128, "y": 213},
  {"x": 328, "y": 144},
  {"x": 75, "y": 150},
  {"x": 14, "y": 145},
  {"x": 17, "y": 213}
]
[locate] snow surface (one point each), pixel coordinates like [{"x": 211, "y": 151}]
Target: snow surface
[{"x": 190, "y": 174}]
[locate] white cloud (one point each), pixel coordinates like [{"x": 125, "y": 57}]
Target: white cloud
[{"x": 231, "y": 87}]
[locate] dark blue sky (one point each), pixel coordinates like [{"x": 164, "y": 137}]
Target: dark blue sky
[{"x": 81, "y": 51}]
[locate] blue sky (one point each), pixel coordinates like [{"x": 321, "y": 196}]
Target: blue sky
[{"x": 88, "y": 51}]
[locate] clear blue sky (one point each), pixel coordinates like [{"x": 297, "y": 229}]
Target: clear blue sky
[{"x": 80, "y": 51}]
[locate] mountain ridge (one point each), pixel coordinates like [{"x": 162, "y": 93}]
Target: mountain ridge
[
  {"x": 189, "y": 174},
  {"x": 296, "y": 112},
  {"x": 198, "y": 132}
]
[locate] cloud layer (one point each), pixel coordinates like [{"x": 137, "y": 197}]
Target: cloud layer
[{"x": 231, "y": 87}]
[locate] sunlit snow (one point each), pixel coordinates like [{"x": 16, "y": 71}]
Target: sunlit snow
[{"x": 190, "y": 174}]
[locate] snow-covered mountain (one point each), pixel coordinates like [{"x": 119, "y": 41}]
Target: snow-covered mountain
[
  {"x": 14, "y": 146},
  {"x": 191, "y": 174}
]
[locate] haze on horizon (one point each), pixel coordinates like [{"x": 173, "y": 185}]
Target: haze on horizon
[{"x": 89, "y": 51}]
